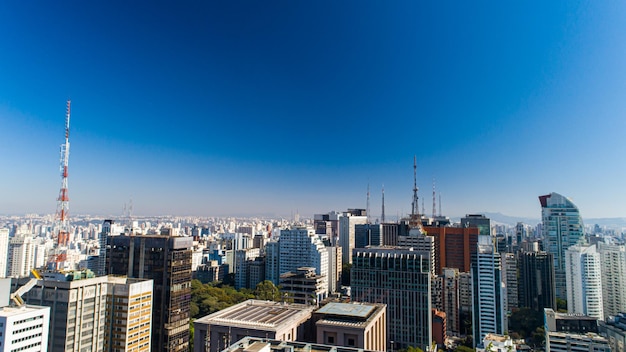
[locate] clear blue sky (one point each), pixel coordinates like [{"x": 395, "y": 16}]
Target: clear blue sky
[{"x": 268, "y": 107}]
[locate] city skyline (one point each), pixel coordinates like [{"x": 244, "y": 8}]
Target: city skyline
[{"x": 276, "y": 108}]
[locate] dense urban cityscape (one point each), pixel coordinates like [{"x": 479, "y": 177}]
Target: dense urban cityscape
[
  {"x": 338, "y": 281},
  {"x": 229, "y": 115}
]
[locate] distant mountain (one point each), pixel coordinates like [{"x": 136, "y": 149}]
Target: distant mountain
[
  {"x": 607, "y": 222},
  {"x": 504, "y": 219},
  {"x": 513, "y": 220}
]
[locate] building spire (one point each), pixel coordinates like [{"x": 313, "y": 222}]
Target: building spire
[
  {"x": 382, "y": 220},
  {"x": 415, "y": 204}
]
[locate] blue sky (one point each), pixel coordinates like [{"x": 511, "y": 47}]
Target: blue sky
[{"x": 249, "y": 107}]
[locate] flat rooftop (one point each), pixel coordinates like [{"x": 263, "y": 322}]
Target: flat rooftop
[
  {"x": 254, "y": 344},
  {"x": 257, "y": 314},
  {"x": 347, "y": 309},
  {"x": 11, "y": 311}
]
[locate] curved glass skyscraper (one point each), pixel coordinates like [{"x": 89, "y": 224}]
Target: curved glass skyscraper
[{"x": 562, "y": 228}]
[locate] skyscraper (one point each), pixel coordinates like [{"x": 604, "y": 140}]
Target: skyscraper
[
  {"x": 165, "y": 259},
  {"x": 301, "y": 247},
  {"x": 400, "y": 278},
  {"x": 487, "y": 290},
  {"x": 4, "y": 251},
  {"x": 509, "y": 268},
  {"x": 584, "y": 281},
  {"x": 536, "y": 280},
  {"x": 347, "y": 223},
  {"x": 613, "y": 260},
  {"x": 562, "y": 227}
]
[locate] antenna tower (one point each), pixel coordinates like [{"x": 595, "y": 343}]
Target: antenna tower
[
  {"x": 415, "y": 204},
  {"x": 367, "y": 209},
  {"x": 63, "y": 201},
  {"x": 440, "y": 204},
  {"x": 382, "y": 220},
  {"x": 434, "y": 202}
]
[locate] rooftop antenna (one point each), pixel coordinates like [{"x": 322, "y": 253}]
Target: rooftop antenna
[
  {"x": 367, "y": 209},
  {"x": 415, "y": 204},
  {"x": 383, "y": 214},
  {"x": 434, "y": 203},
  {"x": 440, "y": 204}
]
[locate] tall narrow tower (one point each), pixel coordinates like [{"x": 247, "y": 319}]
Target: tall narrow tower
[
  {"x": 434, "y": 201},
  {"x": 382, "y": 217},
  {"x": 63, "y": 202}
]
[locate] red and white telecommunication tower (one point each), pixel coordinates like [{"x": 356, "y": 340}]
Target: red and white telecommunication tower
[{"x": 63, "y": 202}]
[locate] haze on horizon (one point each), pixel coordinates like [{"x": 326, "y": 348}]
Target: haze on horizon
[{"x": 230, "y": 108}]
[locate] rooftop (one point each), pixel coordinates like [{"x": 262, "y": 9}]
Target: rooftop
[
  {"x": 257, "y": 314},
  {"x": 255, "y": 344},
  {"x": 347, "y": 309},
  {"x": 11, "y": 311}
]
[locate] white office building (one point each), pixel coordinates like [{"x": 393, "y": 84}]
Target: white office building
[
  {"x": 4, "y": 251},
  {"x": 21, "y": 256},
  {"x": 301, "y": 247},
  {"x": 24, "y": 328},
  {"x": 488, "y": 308},
  {"x": 613, "y": 268},
  {"x": 347, "y": 233},
  {"x": 584, "y": 281}
]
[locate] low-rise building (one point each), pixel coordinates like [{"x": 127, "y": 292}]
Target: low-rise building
[
  {"x": 264, "y": 319},
  {"x": 358, "y": 325}
]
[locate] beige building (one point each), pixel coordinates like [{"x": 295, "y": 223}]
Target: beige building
[
  {"x": 86, "y": 311},
  {"x": 264, "y": 319},
  {"x": 129, "y": 311},
  {"x": 357, "y": 325}
]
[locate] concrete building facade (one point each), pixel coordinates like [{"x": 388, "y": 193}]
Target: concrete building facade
[
  {"x": 358, "y": 325},
  {"x": 401, "y": 279}
]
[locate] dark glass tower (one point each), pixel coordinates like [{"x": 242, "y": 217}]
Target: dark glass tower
[
  {"x": 165, "y": 259},
  {"x": 536, "y": 280}
]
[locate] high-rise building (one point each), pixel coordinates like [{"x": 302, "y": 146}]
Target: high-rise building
[
  {"x": 24, "y": 328},
  {"x": 480, "y": 221},
  {"x": 509, "y": 264},
  {"x": 4, "y": 251},
  {"x": 347, "y": 223},
  {"x": 613, "y": 260},
  {"x": 272, "y": 261},
  {"x": 165, "y": 259},
  {"x": 334, "y": 269},
  {"x": 301, "y": 247},
  {"x": 453, "y": 246},
  {"x": 536, "y": 280},
  {"x": 450, "y": 299},
  {"x": 129, "y": 314},
  {"x": 78, "y": 311},
  {"x": 488, "y": 310},
  {"x": 584, "y": 281},
  {"x": 400, "y": 278},
  {"x": 243, "y": 258},
  {"x": 562, "y": 227},
  {"x": 21, "y": 256},
  {"x": 367, "y": 235}
]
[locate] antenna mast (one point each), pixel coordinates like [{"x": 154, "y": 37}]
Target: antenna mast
[
  {"x": 382, "y": 220},
  {"x": 63, "y": 201},
  {"x": 415, "y": 204},
  {"x": 434, "y": 202},
  {"x": 367, "y": 210}
]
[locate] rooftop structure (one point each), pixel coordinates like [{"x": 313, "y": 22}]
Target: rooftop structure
[
  {"x": 255, "y": 344},
  {"x": 274, "y": 320},
  {"x": 361, "y": 325}
]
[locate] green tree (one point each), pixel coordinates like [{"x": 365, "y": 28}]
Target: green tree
[
  {"x": 462, "y": 348},
  {"x": 525, "y": 321},
  {"x": 267, "y": 291}
]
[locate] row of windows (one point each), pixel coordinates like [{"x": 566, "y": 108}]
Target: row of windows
[
  {"x": 27, "y": 347},
  {"x": 39, "y": 317},
  {"x": 38, "y": 326},
  {"x": 25, "y": 338}
]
